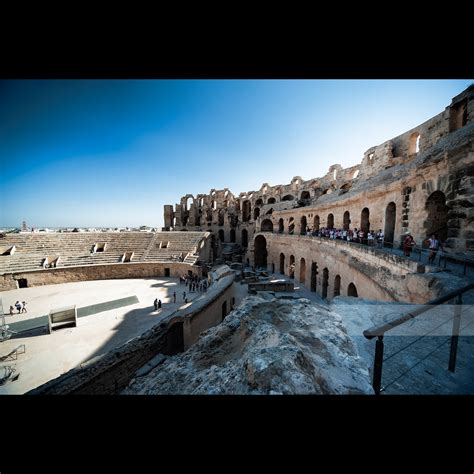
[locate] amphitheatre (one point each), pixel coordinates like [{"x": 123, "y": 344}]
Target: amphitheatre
[{"x": 295, "y": 290}]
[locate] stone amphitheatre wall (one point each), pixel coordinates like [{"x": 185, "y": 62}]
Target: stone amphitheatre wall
[
  {"x": 52, "y": 276},
  {"x": 420, "y": 181}
]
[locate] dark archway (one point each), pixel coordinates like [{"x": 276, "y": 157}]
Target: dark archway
[
  {"x": 271, "y": 201},
  {"x": 305, "y": 196},
  {"x": 325, "y": 283},
  {"x": 221, "y": 235},
  {"x": 291, "y": 269},
  {"x": 303, "y": 224},
  {"x": 282, "y": 263},
  {"x": 245, "y": 238},
  {"x": 232, "y": 235},
  {"x": 390, "y": 217},
  {"x": 364, "y": 220},
  {"x": 246, "y": 210},
  {"x": 259, "y": 202},
  {"x": 281, "y": 226},
  {"x": 260, "y": 251},
  {"x": 256, "y": 213},
  {"x": 267, "y": 226},
  {"x": 330, "y": 224},
  {"x": 316, "y": 223},
  {"x": 224, "y": 310},
  {"x": 220, "y": 217},
  {"x": 352, "y": 290},
  {"x": 288, "y": 197},
  {"x": 346, "y": 220},
  {"x": 437, "y": 219},
  {"x": 337, "y": 285},
  {"x": 291, "y": 226},
  {"x": 302, "y": 271},
  {"x": 314, "y": 275}
]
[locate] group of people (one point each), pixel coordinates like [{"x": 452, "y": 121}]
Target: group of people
[
  {"x": 20, "y": 307},
  {"x": 433, "y": 243},
  {"x": 194, "y": 282}
]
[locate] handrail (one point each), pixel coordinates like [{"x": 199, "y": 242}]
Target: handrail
[
  {"x": 383, "y": 328},
  {"x": 379, "y": 331}
]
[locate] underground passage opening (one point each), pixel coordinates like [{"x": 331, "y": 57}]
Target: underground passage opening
[
  {"x": 282, "y": 263},
  {"x": 352, "y": 290},
  {"x": 437, "y": 219},
  {"x": 314, "y": 275},
  {"x": 245, "y": 238},
  {"x": 174, "y": 343},
  {"x": 22, "y": 283},
  {"x": 302, "y": 271},
  {"x": 390, "y": 216},
  {"x": 167, "y": 272},
  {"x": 337, "y": 285},
  {"x": 260, "y": 249},
  {"x": 232, "y": 235}
]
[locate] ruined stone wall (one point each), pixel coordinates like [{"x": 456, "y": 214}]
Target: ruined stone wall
[
  {"x": 96, "y": 272},
  {"x": 405, "y": 170},
  {"x": 376, "y": 275}
]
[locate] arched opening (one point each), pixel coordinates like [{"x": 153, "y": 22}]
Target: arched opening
[
  {"x": 291, "y": 226},
  {"x": 330, "y": 224},
  {"x": 185, "y": 219},
  {"x": 325, "y": 283},
  {"x": 437, "y": 219},
  {"x": 337, "y": 285},
  {"x": 245, "y": 238},
  {"x": 305, "y": 196},
  {"x": 224, "y": 310},
  {"x": 352, "y": 290},
  {"x": 414, "y": 146},
  {"x": 269, "y": 212},
  {"x": 187, "y": 203},
  {"x": 267, "y": 226},
  {"x": 346, "y": 220},
  {"x": 282, "y": 263},
  {"x": 214, "y": 205},
  {"x": 232, "y": 235},
  {"x": 281, "y": 226},
  {"x": 288, "y": 197},
  {"x": 220, "y": 217},
  {"x": 256, "y": 213},
  {"x": 260, "y": 251},
  {"x": 291, "y": 269},
  {"x": 213, "y": 244},
  {"x": 364, "y": 220},
  {"x": 221, "y": 235},
  {"x": 271, "y": 200},
  {"x": 314, "y": 275},
  {"x": 273, "y": 267},
  {"x": 259, "y": 202},
  {"x": 246, "y": 209},
  {"x": 316, "y": 223},
  {"x": 302, "y": 271},
  {"x": 390, "y": 216},
  {"x": 303, "y": 225}
]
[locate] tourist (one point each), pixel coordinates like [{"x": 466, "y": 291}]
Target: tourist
[
  {"x": 184, "y": 295},
  {"x": 174, "y": 297},
  {"x": 11, "y": 310},
  {"x": 156, "y": 303},
  {"x": 408, "y": 244},
  {"x": 380, "y": 237},
  {"x": 23, "y": 309},
  {"x": 434, "y": 245},
  {"x": 159, "y": 304},
  {"x": 18, "y": 307}
]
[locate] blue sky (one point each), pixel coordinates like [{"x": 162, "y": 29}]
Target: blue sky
[{"x": 113, "y": 152}]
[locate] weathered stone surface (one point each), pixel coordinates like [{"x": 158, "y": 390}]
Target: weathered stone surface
[{"x": 266, "y": 346}]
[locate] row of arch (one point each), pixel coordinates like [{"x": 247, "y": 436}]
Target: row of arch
[{"x": 351, "y": 288}]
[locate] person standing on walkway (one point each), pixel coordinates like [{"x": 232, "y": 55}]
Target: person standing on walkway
[
  {"x": 23, "y": 307},
  {"x": 408, "y": 244},
  {"x": 174, "y": 297},
  {"x": 184, "y": 295},
  {"x": 18, "y": 307},
  {"x": 11, "y": 310},
  {"x": 156, "y": 303},
  {"x": 434, "y": 245},
  {"x": 159, "y": 304}
]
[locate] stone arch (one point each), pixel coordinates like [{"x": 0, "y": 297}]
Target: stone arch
[
  {"x": 282, "y": 263},
  {"x": 245, "y": 238},
  {"x": 437, "y": 218},
  {"x": 220, "y": 217},
  {"x": 281, "y": 226},
  {"x": 316, "y": 223},
  {"x": 346, "y": 220},
  {"x": 303, "y": 225},
  {"x": 304, "y": 195},
  {"x": 271, "y": 200},
  {"x": 221, "y": 235},
  {"x": 364, "y": 220},
  {"x": 260, "y": 251},
  {"x": 390, "y": 218},
  {"x": 330, "y": 224},
  {"x": 314, "y": 276},
  {"x": 259, "y": 202},
  {"x": 246, "y": 211},
  {"x": 352, "y": 290},
  {"x": 414, "y": 144},
  {"x": 288, "y": 197},
  {"x": 291, "y": 269},
  {"x": 337, "y": 285},
  {"x": 256, "y": 213},
  {"x": 232, "y": 235},
  {"x": 267, "y": 226},
  {"x": 324, "y": 293},
  {"x": 302, "y": 271}
]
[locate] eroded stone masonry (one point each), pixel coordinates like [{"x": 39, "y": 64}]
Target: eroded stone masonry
[{"x": 419, "y": 182}]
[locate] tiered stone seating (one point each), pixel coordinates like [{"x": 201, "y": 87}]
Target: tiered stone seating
[{"x": 75, "y": 249}]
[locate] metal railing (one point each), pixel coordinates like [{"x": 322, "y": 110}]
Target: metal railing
[{"x": 379, "y": 332}]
